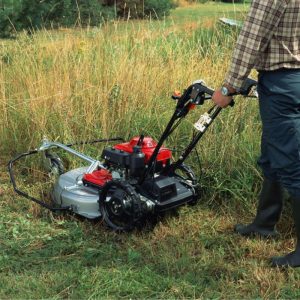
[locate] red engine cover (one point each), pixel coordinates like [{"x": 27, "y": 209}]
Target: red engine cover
[
  {"x": 99, "y": 177},
  {"x": 148, "y": 147}
]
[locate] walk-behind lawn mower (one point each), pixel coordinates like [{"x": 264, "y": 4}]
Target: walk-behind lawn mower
[{"x": 135, "y": 179}]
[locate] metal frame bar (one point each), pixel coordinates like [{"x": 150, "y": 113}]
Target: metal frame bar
[{"x": 46, "y": 145}]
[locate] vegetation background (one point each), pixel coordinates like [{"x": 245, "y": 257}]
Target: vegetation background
[{"x": 116, "y": 80}]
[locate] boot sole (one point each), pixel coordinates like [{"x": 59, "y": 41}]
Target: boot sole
[{"x": 255, "y": 234}]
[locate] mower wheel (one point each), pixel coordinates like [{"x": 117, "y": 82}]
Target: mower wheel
[
  {"x": 188, "y": 177},
  {"x": 53, "y": 164},
  {"x": 187, "y": 174},
  {"x": 120, "y": 205}
]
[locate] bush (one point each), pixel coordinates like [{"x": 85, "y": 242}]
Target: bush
[
  {"x": 9, "y": 11},
  {"x": 158, "y": 8},
  {"x": 87, "y": 12},
  {"x": 16, "y": 15},
  {"x": 142, "y": 8}
]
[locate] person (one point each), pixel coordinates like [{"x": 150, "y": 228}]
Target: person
[{"x": 269, "y": 42}]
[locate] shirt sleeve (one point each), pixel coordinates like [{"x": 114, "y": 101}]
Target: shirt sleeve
[{"x": 263, "y": 18}]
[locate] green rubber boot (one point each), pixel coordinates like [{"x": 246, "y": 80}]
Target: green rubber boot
[
  {"x": 268, "y": 212},
  {"x": 292, "y": 259}
]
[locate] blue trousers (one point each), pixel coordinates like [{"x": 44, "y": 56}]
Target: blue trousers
[{"x": 279, "y": 102}]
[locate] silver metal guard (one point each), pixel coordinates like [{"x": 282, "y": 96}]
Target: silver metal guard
[{"x": 94, "y": 164}]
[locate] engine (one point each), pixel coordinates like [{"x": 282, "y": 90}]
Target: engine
[
  {"x": 124, "y": 199},
  {"x": 129, "y": 160},
  {"x": 135, "y": 155}
]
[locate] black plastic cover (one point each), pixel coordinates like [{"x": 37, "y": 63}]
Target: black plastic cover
[
  {"x": 167, "y": 192},
  {"x": 161, "y": 188},
  {"x": 116, "y": 156}
]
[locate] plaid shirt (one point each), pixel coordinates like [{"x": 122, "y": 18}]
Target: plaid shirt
[{"x": 269, "y": 40}]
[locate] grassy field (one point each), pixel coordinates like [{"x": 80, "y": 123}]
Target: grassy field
[{"x": 116, "y": 80}]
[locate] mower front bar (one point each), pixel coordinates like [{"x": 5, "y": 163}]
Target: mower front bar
[
  {"x": 46, "y": 145},
  {"x": 18, "y": 191}
]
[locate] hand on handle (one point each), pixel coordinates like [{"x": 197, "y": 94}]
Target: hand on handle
[{"x": 221, "y": 100}]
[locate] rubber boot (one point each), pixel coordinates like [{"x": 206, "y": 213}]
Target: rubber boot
[
  {"x": 292, "y": 259},
  {"x": 268, "y": 212}
]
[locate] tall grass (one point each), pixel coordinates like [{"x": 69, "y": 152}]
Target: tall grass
[{"x": 117, "y": 81}]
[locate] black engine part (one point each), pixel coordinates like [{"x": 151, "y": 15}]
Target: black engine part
[
  {"x": 117, "y": 157},
  {"x": 167, "y": 192}
]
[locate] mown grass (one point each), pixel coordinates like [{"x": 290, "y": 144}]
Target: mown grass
[{"x": 116, "y": 80}]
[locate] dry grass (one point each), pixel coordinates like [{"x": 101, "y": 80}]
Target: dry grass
[{"x": 75, "y": 85}]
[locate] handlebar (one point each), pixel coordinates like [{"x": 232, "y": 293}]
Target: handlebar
[
  {"x": 195, "y": 94},
  {"x": 198, "y": 88},
  {"x": 198, "y": 92},
  {"x": 249, "y": 87},
  {"x": 205, "y": 89},
  {"x": 209, "y": 91}
]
